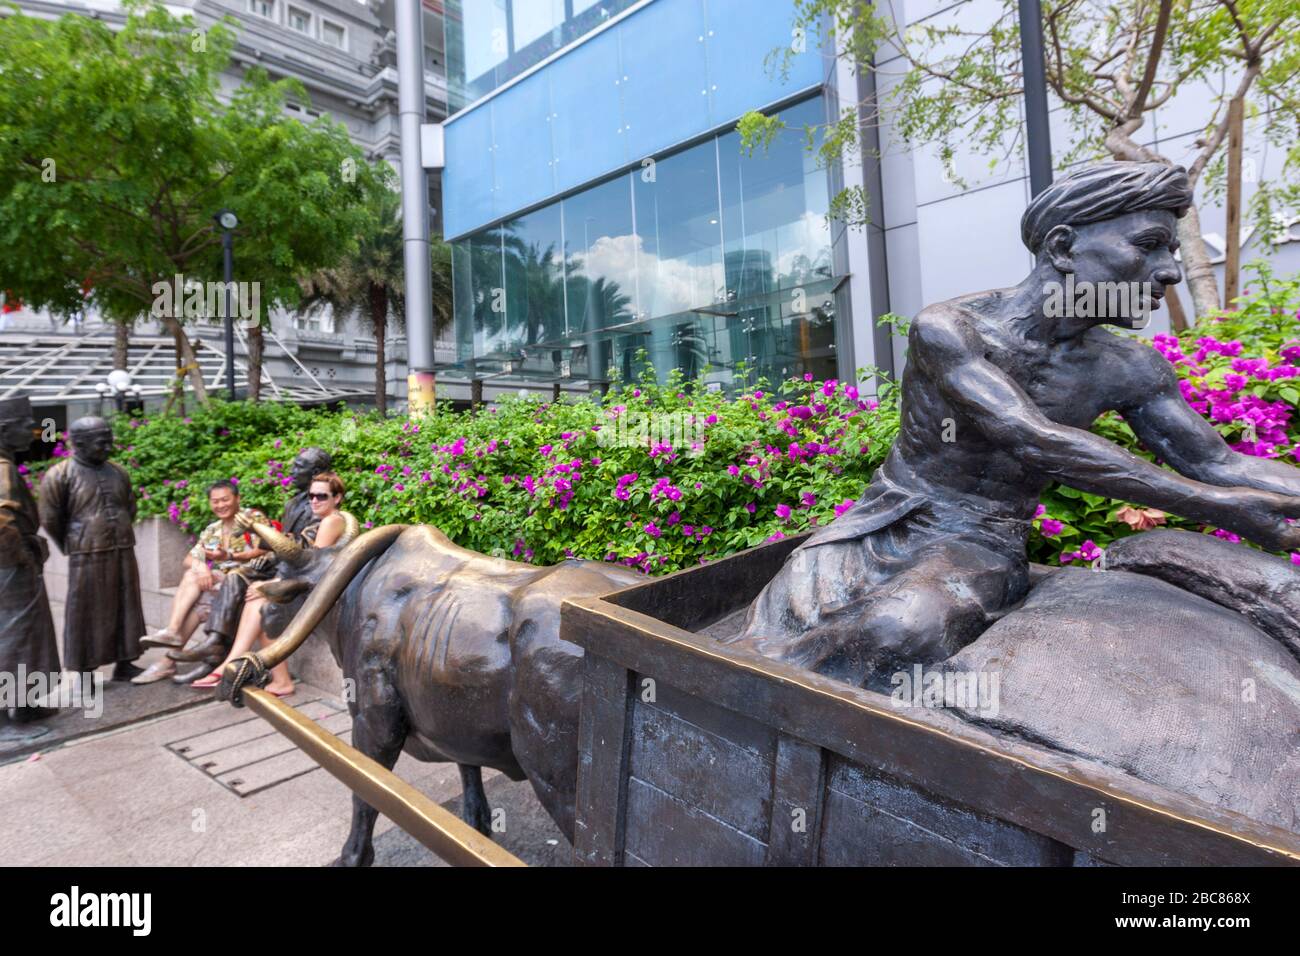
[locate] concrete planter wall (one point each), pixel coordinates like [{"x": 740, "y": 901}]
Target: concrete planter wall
[{"x": 160, "y": 549}]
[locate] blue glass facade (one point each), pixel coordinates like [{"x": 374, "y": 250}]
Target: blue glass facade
[
  {"x": 667, "y": 72},
  {"x": 706, "y": 257},
  {"x": 584, "y": 232},
  {"x": 490, "y": 42}
]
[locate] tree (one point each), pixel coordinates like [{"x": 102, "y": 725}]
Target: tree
[
  {"x": 1110, "y": 65},
  {"x": 370, "y": 282},
  {"x": 115, "y": 152}
]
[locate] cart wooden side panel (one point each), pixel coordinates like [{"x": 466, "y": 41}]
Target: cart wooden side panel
[{"x": 694, "y": 753}]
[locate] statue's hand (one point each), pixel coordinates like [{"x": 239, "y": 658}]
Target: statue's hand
[
  {"x": 1264, "y": 519},
  {"x": 244, "y": 519}
]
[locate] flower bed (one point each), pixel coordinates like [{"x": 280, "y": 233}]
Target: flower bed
[
  {"x": 663, "y": 477},
  {"x": 657, "y": 477}
]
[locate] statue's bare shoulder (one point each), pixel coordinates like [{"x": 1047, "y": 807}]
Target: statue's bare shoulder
[
  {"x": 945, "y": 331},
  {"x": 1141, "y": 371}
]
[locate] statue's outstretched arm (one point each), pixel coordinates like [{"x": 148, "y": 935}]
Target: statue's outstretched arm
[
  {"x": 1175, "y": 433},
  {"x": 952, "y": 356}
]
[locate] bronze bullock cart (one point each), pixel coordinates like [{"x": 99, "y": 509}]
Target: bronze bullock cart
[{"x": 693, "y": 753}]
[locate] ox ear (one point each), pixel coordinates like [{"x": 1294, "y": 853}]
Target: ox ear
[{"x": 282, "y": 592}]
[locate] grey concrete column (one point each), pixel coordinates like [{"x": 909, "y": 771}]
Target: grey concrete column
[
  {"x": 860, "y": 253},
  {"x": 1037, "y": 128}
]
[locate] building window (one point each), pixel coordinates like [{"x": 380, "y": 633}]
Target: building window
[
  {"x": 534, "y": 20},
  {"x": 300, "y": 20},
  {"x": 318, "y": 320},
  {"x": 263, "y": 8},
  {"x": 302, "y": 110},
  {"x": 333, "y": 34},
  {"x": 486, "y": 34}
]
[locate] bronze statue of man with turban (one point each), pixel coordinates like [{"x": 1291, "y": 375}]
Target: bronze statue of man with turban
[
  {"x": 27, "y": 642},
  {"x": 999, "y": 393},
  {"x": 88, "y": 508}
]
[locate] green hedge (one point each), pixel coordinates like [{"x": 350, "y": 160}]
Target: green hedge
[
  {"x": 543, "y": 481},
  {"x": 662, "y": 477}
]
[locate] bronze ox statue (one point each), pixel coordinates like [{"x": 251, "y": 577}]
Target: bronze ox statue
[{"x": 453, "y": 656}]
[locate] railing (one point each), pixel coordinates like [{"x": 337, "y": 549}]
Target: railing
[{"x": 442, "y": 832}]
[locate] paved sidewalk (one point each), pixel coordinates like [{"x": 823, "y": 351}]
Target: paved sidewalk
[{"x": 215, "y": 786}]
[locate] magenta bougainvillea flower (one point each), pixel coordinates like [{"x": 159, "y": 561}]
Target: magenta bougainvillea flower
[{"x": 1087, "y": 552}]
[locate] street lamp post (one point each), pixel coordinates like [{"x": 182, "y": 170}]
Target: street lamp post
[
  {"x": 228, "y": 222},
  {"x": 1037, "y": 135}
]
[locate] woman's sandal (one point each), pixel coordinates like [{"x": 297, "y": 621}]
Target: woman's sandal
[{"x": 209, "y": 682}]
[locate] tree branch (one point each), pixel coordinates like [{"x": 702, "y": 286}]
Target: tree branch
[
  {"x": 1057, "y": 82},
  {"x": 1153, "y": 58},
  {"x": 1231, "y": 7}
]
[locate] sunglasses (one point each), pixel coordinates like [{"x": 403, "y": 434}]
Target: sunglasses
[{"x": 317, "y": 496}]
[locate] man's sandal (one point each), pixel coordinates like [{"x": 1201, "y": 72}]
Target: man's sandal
[{"x": 163, "y": 637}]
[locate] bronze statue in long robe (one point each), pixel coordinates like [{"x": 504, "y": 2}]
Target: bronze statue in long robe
[{"x": 88, "y": 507}]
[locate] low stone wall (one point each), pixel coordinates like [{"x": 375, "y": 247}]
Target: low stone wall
[{"x": 160, "y": 551}]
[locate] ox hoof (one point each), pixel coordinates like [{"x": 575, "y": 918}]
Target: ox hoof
[{"x": 354, "y": 860}]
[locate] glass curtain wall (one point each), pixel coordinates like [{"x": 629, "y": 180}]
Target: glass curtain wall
[
  {"x": 706, "y": 258},
  {"x": 489, "y": 42}
]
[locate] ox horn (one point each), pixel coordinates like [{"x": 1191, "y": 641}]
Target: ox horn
[
  {"x": 351, "y": 527},
  {"x": 283, "y": 545},
  {"x": 345, "y": 566}
]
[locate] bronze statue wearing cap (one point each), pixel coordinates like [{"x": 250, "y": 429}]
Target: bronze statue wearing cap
[
  {"x": 26, "y": 628},
  {"x": 999, "y": 393},
  {"x": 88, "y": 508}
]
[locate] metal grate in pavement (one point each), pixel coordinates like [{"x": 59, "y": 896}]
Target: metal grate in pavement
[{"x": 246, "y": 756}]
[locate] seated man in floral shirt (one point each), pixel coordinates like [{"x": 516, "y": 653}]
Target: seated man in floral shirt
[
  {"x": 222, "y": 548},
  {"x": 228, "y": 605}
]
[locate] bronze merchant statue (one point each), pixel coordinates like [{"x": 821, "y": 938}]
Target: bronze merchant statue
[
  {"x": 1000, "y": 390},
  {"x": 88, "y": 509}
]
